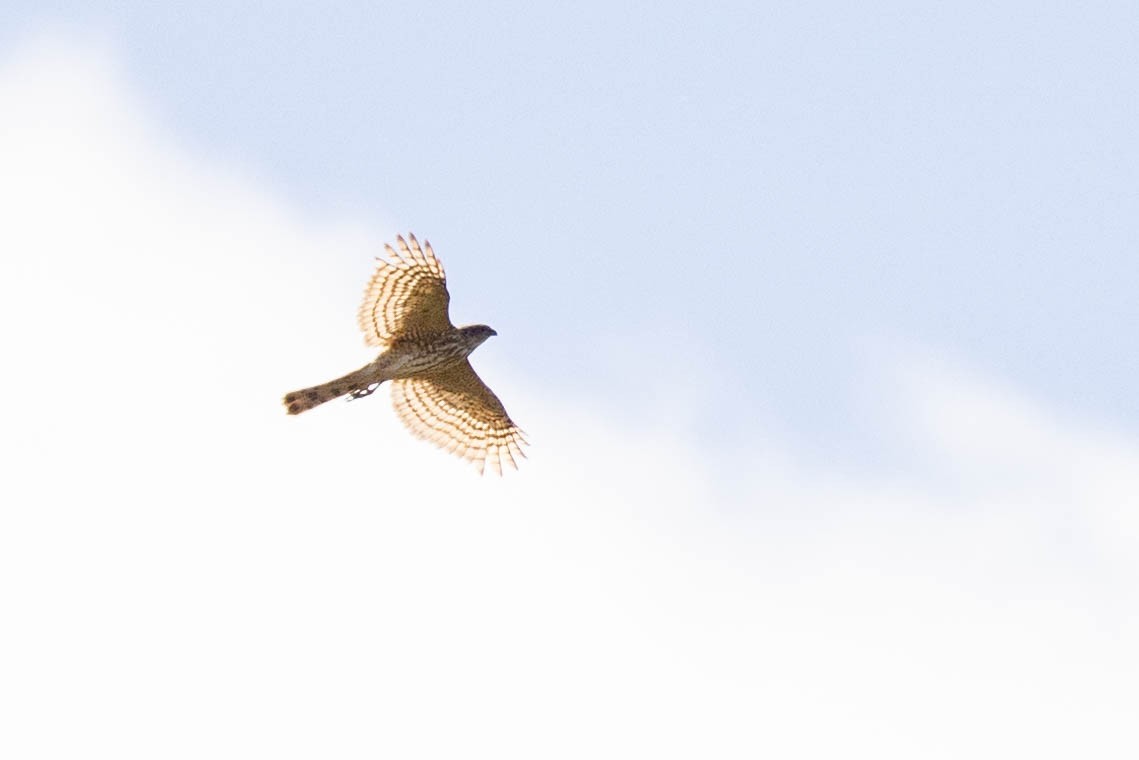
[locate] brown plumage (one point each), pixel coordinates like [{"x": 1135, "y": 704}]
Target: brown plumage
[{"x": 435, "y": 390}]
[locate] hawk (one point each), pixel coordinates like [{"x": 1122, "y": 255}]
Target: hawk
[{"x": 435, "y": 391}]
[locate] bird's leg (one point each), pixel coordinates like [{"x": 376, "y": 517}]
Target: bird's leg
[{"x": 362, "y": 392}]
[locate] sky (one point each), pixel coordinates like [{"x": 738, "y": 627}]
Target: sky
[{"x": 820, "y": 320}]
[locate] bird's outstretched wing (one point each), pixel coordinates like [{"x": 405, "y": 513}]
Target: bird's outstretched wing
[
  {"x": 406, "y": 297},
  {"x": 453, "y": 408}
]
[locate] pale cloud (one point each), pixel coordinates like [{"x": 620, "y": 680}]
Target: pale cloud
[{"x": 187, "y": 572}]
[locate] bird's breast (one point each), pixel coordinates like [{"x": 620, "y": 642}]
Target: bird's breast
[{"x": 408, "y": 358}]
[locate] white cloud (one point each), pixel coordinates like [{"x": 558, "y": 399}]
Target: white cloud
[{"x": 187, "y": 572}]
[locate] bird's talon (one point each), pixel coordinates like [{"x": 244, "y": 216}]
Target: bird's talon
[{"x": 362, "y": 392}]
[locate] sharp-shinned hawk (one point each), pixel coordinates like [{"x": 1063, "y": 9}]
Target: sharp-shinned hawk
[{"x": 435, "y": 390}]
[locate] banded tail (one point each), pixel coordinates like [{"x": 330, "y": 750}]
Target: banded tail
[{"x": 360, "y": 383}]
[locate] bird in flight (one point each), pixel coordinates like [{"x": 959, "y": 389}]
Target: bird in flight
[{"x": 435, "y": 391}]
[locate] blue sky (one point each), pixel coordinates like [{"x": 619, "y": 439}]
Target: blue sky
[
  {"x": 777, "y": 183},
  {"x": 879, "y": 475}
]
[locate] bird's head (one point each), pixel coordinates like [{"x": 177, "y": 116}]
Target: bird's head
[{"x": 476, "y": 334}]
